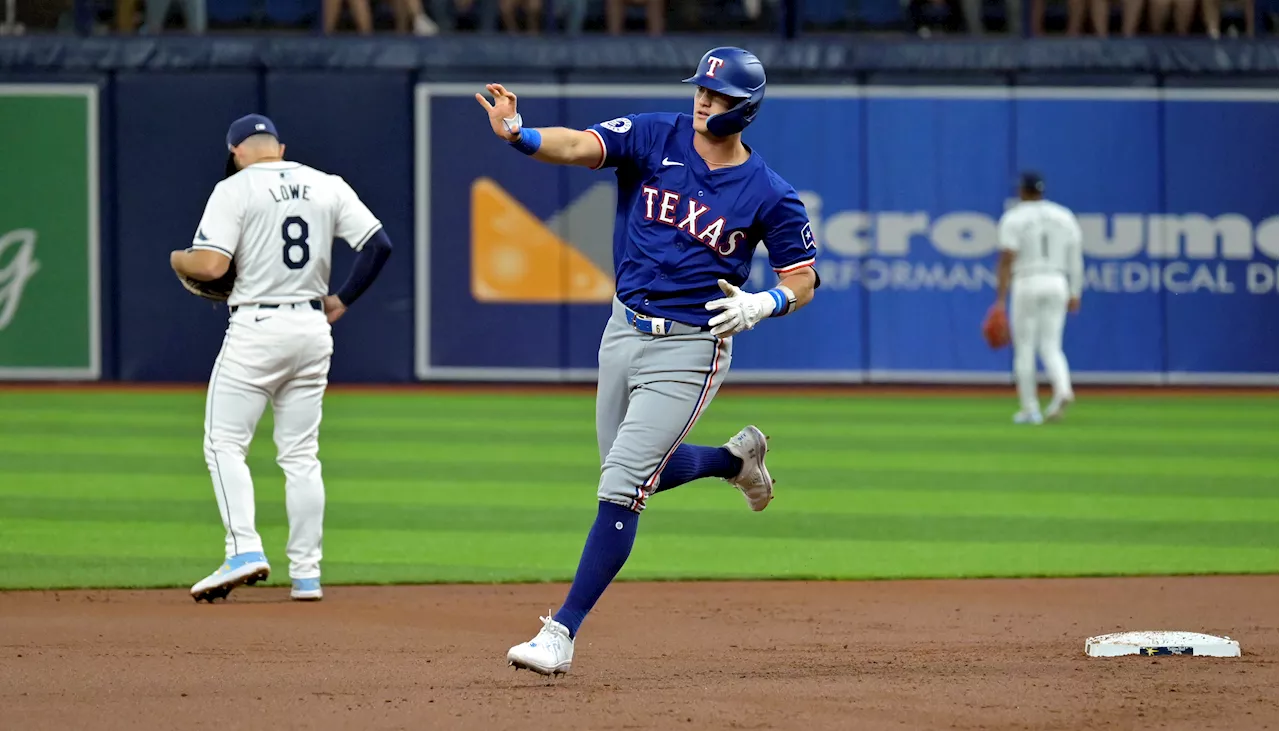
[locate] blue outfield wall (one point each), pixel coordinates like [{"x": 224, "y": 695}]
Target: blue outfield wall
[
  {"x": 499, "y": 260},
  {"x": 905, "y": 186}
]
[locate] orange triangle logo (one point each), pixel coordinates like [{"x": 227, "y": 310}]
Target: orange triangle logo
[{"x": 516, "y": 258}]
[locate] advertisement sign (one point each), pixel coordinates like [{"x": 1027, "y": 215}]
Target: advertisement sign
[
  {"x": 904, "y": 187},
  {"x": 49, "y": 324}
]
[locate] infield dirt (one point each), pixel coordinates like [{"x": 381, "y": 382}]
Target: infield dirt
[{"x": 971, "y": 654}]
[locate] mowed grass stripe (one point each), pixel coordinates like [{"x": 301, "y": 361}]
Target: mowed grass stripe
[
  {"x": 399, "y": 451},
  {"x": 799, "y": 526},
  {"x": 427, "y": 411},
  {"x": 854, "y": 559},
  {"x": 534, "y": 447},
  {"x": 1221, "y": 409},
  {"x": 537, "y": 454},
  {"x": 430, "y": 434},
  {"x": 337, "y": 403},
  {"x": 1186, "y": 498},
  {"x": 1156, "y": 409},
  {"x": 579, "y": 471},
  {"x": 580, "y": 475},
  {"x": 362, "y": 428},
  {"x": 916, "y": 480},
  {"x": 418, "y": 432},
  {"x": 654, "y": 558},
  {"x": 392, "y": 495},
  {"x": 203, "y": 544},
  {"x": 924, "y": 412},
  {"x": 26, "y": 571}
]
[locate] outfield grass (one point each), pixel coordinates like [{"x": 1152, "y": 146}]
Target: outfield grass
[{"x": 110, "y": 489}]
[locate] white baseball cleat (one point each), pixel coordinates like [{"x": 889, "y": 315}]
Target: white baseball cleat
[
  {"x": 1058, "y": 408},
  {"x": 1028, "y": 417},
  {"x": 548, "y": 653},
  {"x": 306, "y": 590},
  {"x": 244, "y": 568},
  {"x": 750, "y": 445}
]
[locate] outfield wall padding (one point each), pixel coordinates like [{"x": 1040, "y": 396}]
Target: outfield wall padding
[{"x": 905, "y": 153}]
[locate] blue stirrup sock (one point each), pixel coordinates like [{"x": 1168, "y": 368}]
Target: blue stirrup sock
[
  {"x": 692, "y": 462},
  {"x": 608, "y": 546}
]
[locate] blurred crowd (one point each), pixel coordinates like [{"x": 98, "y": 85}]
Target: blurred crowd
[{"x": 1128, "y": 18}]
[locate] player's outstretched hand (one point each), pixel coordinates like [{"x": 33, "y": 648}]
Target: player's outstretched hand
[
  {"x": 503, "y": 107},
  {"x": 1073, "y": 305},
  {"x": 742, "y": 310},
  {"x": 333, "y": 308}
]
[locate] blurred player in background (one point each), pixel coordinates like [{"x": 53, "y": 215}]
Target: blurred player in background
[{"x": 1041, "y": 268}]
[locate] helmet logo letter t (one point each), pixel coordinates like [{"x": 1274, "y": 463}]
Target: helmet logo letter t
[{"x": 713, "y": 63}]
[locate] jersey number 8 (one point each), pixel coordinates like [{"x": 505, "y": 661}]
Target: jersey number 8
[{"x": 291, "y": 242}]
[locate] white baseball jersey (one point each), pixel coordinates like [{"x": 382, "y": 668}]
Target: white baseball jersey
[
  {"x": 1047, "y": 240},
  {"x": 278, "y": 220}
]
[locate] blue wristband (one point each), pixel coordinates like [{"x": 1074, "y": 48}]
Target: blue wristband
[
  {"x": 779, "y": 301},
  {"x": 784, "y": 301},
  {"x": 528, "y": 142}
]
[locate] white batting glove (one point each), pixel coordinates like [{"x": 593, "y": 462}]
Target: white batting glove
[{"x": 742, "y": 310}]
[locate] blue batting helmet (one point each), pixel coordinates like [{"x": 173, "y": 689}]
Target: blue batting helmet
[{"x": 736, "y": 73}]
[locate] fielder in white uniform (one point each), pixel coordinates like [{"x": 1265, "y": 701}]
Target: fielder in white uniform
[
  {"x": 278, "y": 220},
  {"x": 1042, "y": 269}
]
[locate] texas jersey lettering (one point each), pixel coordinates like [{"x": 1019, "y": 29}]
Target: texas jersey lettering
[{"x": 681, "y": 225}]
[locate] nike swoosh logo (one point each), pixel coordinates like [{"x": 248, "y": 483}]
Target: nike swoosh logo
[
  {"x": 668, "y": 162},
  {"x": 260, "y": 319}
]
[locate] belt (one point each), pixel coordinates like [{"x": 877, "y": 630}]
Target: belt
[
  {"x": 315, "y": 305},
  {"x": 660, "y": 326}
]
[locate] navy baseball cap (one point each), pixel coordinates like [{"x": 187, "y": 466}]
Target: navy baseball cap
[
  {"x": 249, "y": 125},
  {"x": 1031, "y": 180}
]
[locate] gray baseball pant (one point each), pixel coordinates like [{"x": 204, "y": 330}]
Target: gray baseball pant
[{"x": 651, "y": 391}]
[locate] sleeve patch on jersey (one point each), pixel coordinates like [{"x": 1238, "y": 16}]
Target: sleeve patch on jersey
[
  {"x": 806, "y": 235},
  {"x": 620, "y": 125}
]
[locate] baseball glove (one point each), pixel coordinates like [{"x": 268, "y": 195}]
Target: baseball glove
[
  {"x": 995, "y": 327},
  {"x": 217, "y": 290}
]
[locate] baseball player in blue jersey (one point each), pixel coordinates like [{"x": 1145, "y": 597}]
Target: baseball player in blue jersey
[{"x": 693, "y": 202}]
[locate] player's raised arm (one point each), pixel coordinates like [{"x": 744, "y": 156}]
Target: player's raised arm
[{"x": 559, "y": 145}]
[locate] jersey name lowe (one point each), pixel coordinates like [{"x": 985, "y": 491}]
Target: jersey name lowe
[{"x": 278, "y": 221}]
